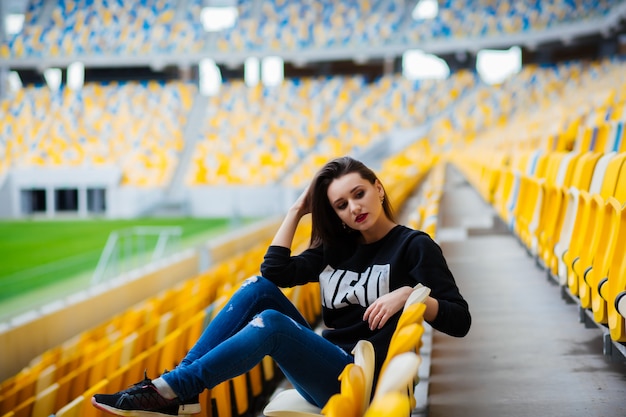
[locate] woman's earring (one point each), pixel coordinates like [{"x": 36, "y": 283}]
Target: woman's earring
[
  {"x": 382, "y": 200},
  {"x": 344, "y": 226}
]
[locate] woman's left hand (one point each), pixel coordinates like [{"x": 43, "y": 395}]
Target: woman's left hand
[{"x": 385, "y": 307}]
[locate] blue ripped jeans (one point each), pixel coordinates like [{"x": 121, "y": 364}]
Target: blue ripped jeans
[{"x": 258, "y": 321}]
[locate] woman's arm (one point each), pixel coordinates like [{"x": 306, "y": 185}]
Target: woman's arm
[
  {"x": 287, "y": 230},
  {"x": 451, "y": 314},
  {"x": 386, "y": 306},
  {"x": 278, "y": 265}
]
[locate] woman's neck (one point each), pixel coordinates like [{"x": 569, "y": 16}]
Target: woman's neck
[{"x": 377, "y": 232}]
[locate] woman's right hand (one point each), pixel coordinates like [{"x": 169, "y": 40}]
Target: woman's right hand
[{"x": 302, "y": 205}]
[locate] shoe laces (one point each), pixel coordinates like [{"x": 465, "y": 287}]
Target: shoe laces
[{"x": 139, "y": 384}]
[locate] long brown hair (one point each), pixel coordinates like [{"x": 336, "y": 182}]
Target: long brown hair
[{"x": 327, "y": 228}]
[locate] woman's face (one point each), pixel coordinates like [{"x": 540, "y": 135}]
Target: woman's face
[{"x": 356, "y": 201}]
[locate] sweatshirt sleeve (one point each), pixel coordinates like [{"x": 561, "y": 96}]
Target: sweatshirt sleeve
[
  {"x": 431, "y": 269},
  {"x": 285, "y": 270}
]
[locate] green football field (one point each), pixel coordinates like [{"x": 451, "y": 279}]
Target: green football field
[{"x": 43, "y": 257}]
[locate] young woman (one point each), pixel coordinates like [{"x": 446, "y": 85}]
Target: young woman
[{"x": 366, "y": 264}]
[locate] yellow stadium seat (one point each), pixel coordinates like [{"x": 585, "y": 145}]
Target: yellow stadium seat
[
  {"x": 585, "y": 239},
  {"x": 620, "y": 185},
  {"x": 73, "y": 408},
  {"x": 598, "y": 269},
  {"x": 530, "y": 217},
  {"x": 389, "y": 405},
  {"x": 400, "y": 374},
  {"x": 221, "y": 395},
  {"x": 556, "y": 175},
  {"x": 526, "y": 219},
  {"x": 22, "y": 389},
  {"x": 582, "y": 239},
  {"x": 94, "y": 389},
  {"x": 46, "y": 378},
  {"x": 611, "y": 289},
  {"x": 576, "y": 173},
  {"x": 172, "y": 349},
  {"x": 45, "y": 401},
  {"x": 404, "y": 340},
  {"x": 574, "y": 210},
  {"x": 289, "y": 403},
  {"x": 349, "y": 401}
]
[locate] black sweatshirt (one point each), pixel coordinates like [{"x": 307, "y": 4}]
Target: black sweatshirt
[{"x": 353, "y": 278}]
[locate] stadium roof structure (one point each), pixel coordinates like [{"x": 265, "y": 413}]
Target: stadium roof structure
[{"x": 15, "y": 6}]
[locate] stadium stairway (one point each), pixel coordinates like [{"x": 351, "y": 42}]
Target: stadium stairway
[
  {"x": 527, "y": 353},
  {"x": 174, "y": 201}
]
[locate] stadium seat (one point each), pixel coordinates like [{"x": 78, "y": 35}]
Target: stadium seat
[
  {"x": 22, "y": 389},
  {"x": 521, "y": 212},
  {"x": 390, "y": 398},
  {"x": 400, "y": 373},
  {"x": 574, "y": 211},
  {"x": 72, "y": 409},
  {"x": 25, "y": 408},
  {"x": 91, "y": 411},
  {"x": 349, "y": 401},
  {"x": 552, "y": 207},
  {"x": 389, "y": 405},
  {"x": 600, "y": 260},
  {"x": 555, "y": 173},
  {"x": 45, "y": 401},
  {"x": 612, "y": 287},
  {"x": 407, "y": 336},
  {"x": 585, "y": 224},
  {"x": 289, "y": 403},
  {"x": 586, "y": 290}
]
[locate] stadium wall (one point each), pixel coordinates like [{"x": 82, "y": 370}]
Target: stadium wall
[
  {"x": 81, "y": 179},
  {"x": 128, "y": 202},
  {"x": 239, "y": 201}
]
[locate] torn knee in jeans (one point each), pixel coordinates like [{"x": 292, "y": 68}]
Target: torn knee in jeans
[
  {"x": 257, "y": 322},
  {"x": 249, "y": 281}
]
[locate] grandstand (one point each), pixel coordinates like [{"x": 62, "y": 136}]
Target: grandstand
[{"x": 521, "y": 180}]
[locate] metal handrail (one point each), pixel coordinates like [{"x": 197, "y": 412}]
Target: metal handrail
[{"x": 123, "y": 239}]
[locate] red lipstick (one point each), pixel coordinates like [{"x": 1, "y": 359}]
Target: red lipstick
[{"x": 360, "y": 218}]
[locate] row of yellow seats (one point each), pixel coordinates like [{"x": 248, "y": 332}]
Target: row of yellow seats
[
  {"x": 83, "y": 358},
  {"x": 76, "y": 28},
  {"x": 332, "y": 144},
  {"x": 486, "y": 167},
  {"x": 313, "y": 24},
  {"x": 154, "y": 335},
  {"x": 548, "y": 108},
  {"x": 568, "y": 209},
  {"x": 426, "y": 214},
  {"x": 277, "y": 144},
  {"x": 297, "y": 26},
  {"x": 281, "y": 124},
  {"x": 403, "y": 172},
  {"x": 133, "y": 125}
]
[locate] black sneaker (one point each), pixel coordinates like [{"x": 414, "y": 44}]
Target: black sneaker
[
  {"x": 190, "y": 406},
  {"x": 143, "y": 400}
]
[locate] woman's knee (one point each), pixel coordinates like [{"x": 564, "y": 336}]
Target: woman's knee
[
  {"x": 274, "y": 321},
  {"x": 258, "y": 282}
]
